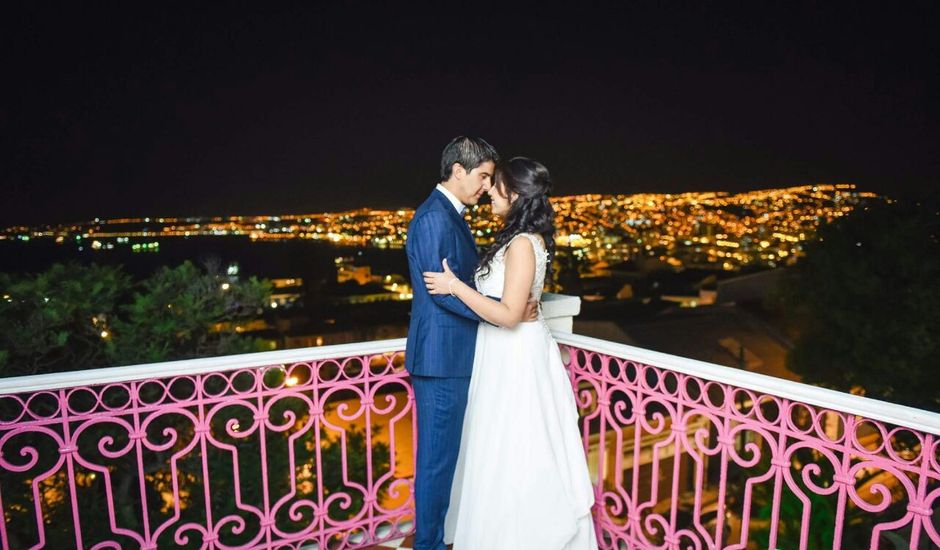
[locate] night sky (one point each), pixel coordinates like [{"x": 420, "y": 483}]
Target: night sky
[{"x": 306, "y": 107}]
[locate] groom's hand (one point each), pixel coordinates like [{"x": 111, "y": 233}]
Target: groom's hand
[{"x": 531, "y": 312}]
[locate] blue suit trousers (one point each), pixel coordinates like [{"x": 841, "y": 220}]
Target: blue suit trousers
[{"x": 440, "y": 405}]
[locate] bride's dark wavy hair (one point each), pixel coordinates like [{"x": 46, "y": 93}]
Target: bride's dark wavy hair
[{"x": 530, "y": 213}]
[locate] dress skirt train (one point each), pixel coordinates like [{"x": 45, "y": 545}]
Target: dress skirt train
[{"x": 522, "y": 481}]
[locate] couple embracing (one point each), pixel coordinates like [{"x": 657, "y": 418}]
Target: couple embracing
[{"x": 500, "y": 464}]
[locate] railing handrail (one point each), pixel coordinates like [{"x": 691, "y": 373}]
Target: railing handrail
[
  {"x": 900, "y": 415},
  {"x": 108, "y": 375}
]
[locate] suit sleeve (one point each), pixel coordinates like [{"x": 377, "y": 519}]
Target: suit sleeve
[{"x": 434, "y": 238}]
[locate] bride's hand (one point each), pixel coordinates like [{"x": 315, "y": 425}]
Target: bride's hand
[{"x": 438, "y": 283}]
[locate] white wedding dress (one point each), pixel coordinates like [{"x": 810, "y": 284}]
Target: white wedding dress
[{"x": 522, "y": 480}]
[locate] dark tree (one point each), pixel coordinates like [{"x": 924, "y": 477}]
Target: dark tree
[
  {"x": 57, "y": 320},
  {"x": 866, "y": 304},
  {"x": 74, "y": 317},
  {"x": 187, "y": 312}
]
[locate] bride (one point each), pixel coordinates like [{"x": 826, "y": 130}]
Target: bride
[{"x": 522, "y": 479}]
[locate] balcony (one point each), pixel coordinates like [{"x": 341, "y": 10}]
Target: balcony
[{"x": 313, "y": 448}]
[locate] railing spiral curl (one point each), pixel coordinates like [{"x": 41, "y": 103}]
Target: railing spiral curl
[
  {"x": 315, "y": 453},
  {"x": 681, "y": 460}
]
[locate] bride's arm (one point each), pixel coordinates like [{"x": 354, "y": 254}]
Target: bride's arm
[{"x": 511, "y": 309}]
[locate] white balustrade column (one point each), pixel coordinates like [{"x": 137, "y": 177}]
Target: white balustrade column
[{"x": 560, "y": 310}]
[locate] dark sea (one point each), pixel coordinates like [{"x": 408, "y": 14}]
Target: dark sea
[{"x": 312, "y": 261}]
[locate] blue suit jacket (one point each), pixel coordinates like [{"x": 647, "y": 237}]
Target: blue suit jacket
[{"x": 443, "y": 330}]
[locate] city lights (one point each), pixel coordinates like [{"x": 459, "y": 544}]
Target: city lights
[{"x": 686, "y": 229}]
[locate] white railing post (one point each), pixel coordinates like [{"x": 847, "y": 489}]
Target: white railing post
[{"x": 560, "y": 310}]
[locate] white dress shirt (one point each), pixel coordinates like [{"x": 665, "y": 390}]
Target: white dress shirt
[{"x": 453, "y": 200}]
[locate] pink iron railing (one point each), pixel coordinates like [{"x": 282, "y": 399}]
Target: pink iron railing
[
  {"x": 693, "y": 455},
  {"x": 274, "y": 450},
  {"x": 314, "y": 448}
]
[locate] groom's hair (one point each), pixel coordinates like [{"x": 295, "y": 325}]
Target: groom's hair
[{"x": 469, "y": 152}]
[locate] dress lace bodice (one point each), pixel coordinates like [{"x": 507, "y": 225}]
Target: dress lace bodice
[{"x": 492, "y": 283}]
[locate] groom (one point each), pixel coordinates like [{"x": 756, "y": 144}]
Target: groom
[{"x": 442, "y": 333}]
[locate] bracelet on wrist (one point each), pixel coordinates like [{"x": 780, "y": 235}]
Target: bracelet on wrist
[{"x": 450, "y": 286}]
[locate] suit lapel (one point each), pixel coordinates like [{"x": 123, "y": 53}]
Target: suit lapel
[{"x": 458, "y": 219}]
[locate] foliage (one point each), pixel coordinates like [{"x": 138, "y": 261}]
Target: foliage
[
  {"x": 184, "y": 312},
  {"x": 822, "y": 520},
  {"x": 53, "y": 321},
  {"x": 866, "y": 303},
  {"x": 79, "y": 317}
]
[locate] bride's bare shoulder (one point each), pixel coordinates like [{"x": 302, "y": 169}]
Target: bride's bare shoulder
[
  {"x": 529, "y": 237},
  {"x": 520, "y": 247}
]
